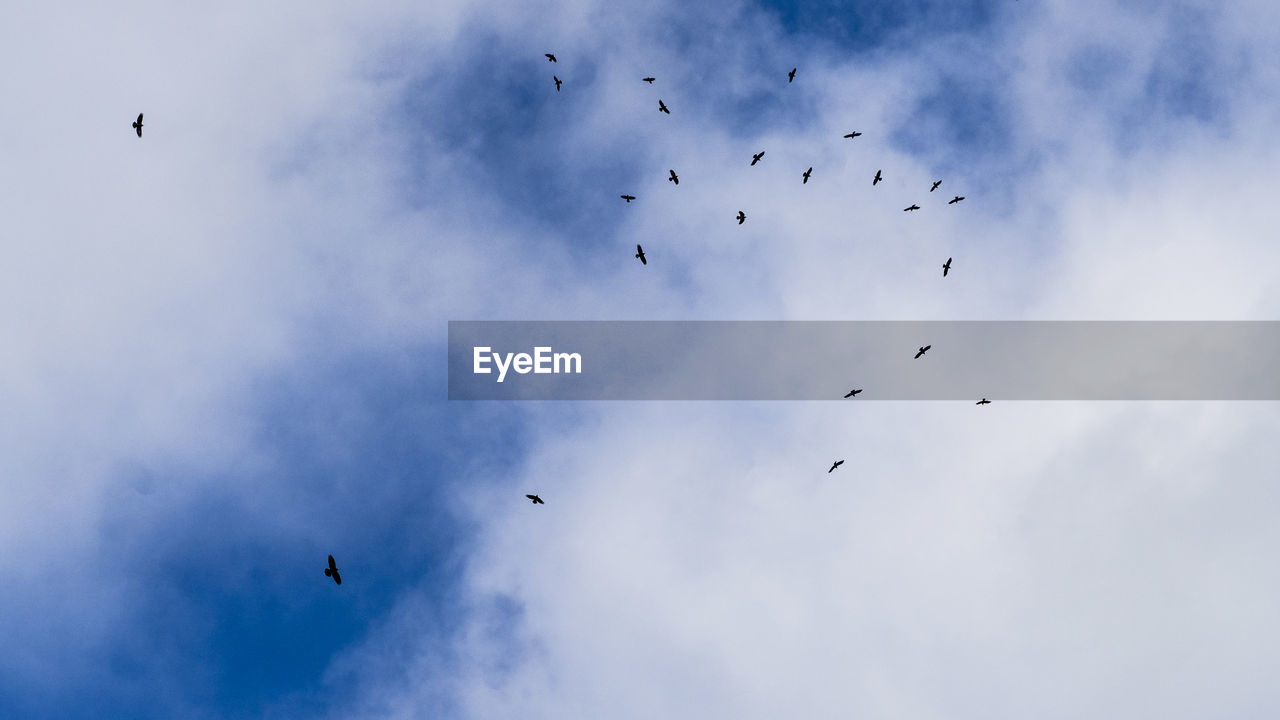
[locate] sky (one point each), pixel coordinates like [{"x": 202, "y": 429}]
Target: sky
[{"x": 224, "y": 344}]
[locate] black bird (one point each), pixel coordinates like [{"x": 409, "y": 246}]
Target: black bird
[
  {"x": 742, "y": 217},
  {"x": 983, "y": 401},
  {"x": 643, "y": 261},
  {"x": 807, "y": 173},
  {"x": 878, "y": 179},
  {"x": 332, "y": 571},
  {"x": 662, "y": 107},
  {"x": 550, "y": 57},
  {"x": 909, "y": 209},
  {"x": 648, "y": 80},
  {"x": 955, "y": 200},
  {"x": 946, "y": 267},
  {"x": 923, "y": 350},
  {"x": 137, "y": 124},
  {"x": 553, "y": 77},
  {"x": 853, "y": 135},
  {"x": 756, "y": 158},
  {"x": 674, "y": 178},
  {"x": 628, "y": 198},
  {"x": 935, "y": 186},
  {"x": 853, "y": 392},
  {"x": 835, "y": 465},
  {"x": 536, "y": 500},
  {"x": 791, "y": 75}
]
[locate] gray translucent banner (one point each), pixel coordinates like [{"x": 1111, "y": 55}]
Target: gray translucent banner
[{"x": 776, "y": 360}]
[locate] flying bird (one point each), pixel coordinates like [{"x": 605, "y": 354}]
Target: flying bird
[
  {"x": 756, "y": 158},
  {"x": 983, "y": 401},
  {"x": 853, "y": 134},
  {"x": 853, "y": 392},
  {"x": 955, "y": 200},
  {"x": 835, "y": 465},
  {"x": 536, "y": 500},
  {"x": 550, "y": 57},
  {"x": 807, "y": 173},
  {"x": 332, "y": 571},
  {"x": 909, "y": 209},
  {"x": 935, "y": 185},
  {"x": 648, "y": 80},
  {"x": 643, "y": 261},
  {"x": 742, "y": 217},
  {"x": 791, "y": 75},
  {"x": 923, "y": 350},
  {"x": 628, "y": 198},
  {"x": 662, "y": 107},
  {"x": 946, "y": 267},
  {"x": 137, "y": 124},
  {"x": 878, "y": 179},
  {"x": 674, "y": 178},
  {"x": 558, "y": 82}
]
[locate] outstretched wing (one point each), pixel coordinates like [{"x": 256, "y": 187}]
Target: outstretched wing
[
  {"x": 332, "y": 565},
  {"x": 336, "y": 577}
]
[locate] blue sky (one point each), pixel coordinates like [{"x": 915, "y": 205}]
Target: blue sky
[{"x": 225, "y": 344}]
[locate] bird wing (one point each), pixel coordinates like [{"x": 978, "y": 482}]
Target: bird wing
[
  {"x": 139, "y": 118},
  {"x": 139, "y": 131},
  {"x": 336, "y": 577}
]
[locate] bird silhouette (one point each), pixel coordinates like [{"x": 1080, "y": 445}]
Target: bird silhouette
[
  {"x": 558, "y": 83},
  {"x": 935, "y": 185},
  {"x": 923, "y": 350},
  {"x": 955, "y": 200},
  {"x": 648, "y": 80},
  {"x": 662, "y": 107},
  {"x": 983, "y": 401},
  {"x": 536, "y": 500},
  {"x": 853, "y": 134},
  {"x": 791, "y": 75},
  {"x": 946, "y": 267},
  {"x": 877, "y": 179},
  {"x": 853, "y": 392},
  {"x": 137, "y": 124},
  {"x": 628, "y": 198},
  {"x": 835, "y": 465},
  {"x": 643, "y": 261},
  {"x": 550, "y": 57},
  {"x": 742, "y": 217},
  {"x": 674, "y": 178},
  {"x": 807, "y": 173},
  {"x": 909, "y": 209},
  {"x": 332, "y": 571},
  {"x": 756, "y": 158}
]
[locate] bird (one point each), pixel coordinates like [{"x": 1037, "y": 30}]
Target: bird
[
  {"x": 983, "y": 401},
  {"x": 807, "y": 173},
  {"x": 648, "y": 80},
  {"x": 946, "y": 267},
  {"x": 550, "y": 57},
  {"x": 955, "y": 200},
  {"x": 742, "y": 217},
  {"x": 536, "y": 500},
  {"x": 878, "y": 179},
  {"x": 628, "y": 198},
  {"x": 756, "y": 158},
  {"x": 935, "y": 185},
  {"x": 662, "y": 107},
  {"x": 835, "y": 465},
  {"x": 791, "y": 75},
  {"x": 923, "y": 350},
  {"x": 674, "y": 178},
  {"x": 853, "y": 392},
  {"x": 558, "y": 82},
  {"x": 853, "y": 134},
  {"x": 137, "y": 124},
  {"x": 909, "y": 209},
  {"x": 643, "y": 261},
  {"x": 332, "y": 571}
]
